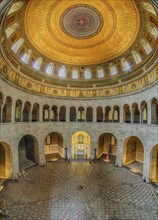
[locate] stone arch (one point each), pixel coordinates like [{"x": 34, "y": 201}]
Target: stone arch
[
  {"x": 54, "y": 146},
  {"x": 144, "y": 112},
  {"x": 81, "y": 114},
  {"x": 46, "y": 113},
  {"x": 126, "y": 113},
  {"x": 7, "y": 110},
  {"x": 108, "y": 114},
  {"x": 72, "y": 113},
  {"x": 133, "y": 155},
  {"x": 62, "y": 113},
  {"x": 99, "y": 114},
  {"x": 135, "y": 113},
  {"x": 80, "y": 145},
  {"x": 107, "y": 147},
  {"x": 27, "y": 112},
  {"x": 54, "y": 113},
  {"x": 5, "y": 161},
  {"x": 18, "y": 111},
  {"x": 89, "y": 114},
  {"x": 154, "y": 164},
  {"x": 35, "y": 112},
  {"x": 116, "y": 113},
  {"x": 28, "y": 150},
  {"x": 1, "y": 104},
  {"x": 154, "y": 111}
]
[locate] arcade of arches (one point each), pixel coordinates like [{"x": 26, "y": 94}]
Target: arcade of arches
[{"x": 54, "y": 148}]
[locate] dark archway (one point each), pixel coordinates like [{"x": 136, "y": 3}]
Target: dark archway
[{"x": 28, "y": 152}]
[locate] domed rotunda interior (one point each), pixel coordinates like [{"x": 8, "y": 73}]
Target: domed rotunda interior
[{"x": 79, "y": 109}]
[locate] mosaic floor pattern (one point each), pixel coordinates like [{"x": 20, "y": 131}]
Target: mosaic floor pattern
[{"x": 80, "y": 191}]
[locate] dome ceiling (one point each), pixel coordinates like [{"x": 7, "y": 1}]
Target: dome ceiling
[
  {"x": 80, "y": 44},
  {"x": 84, "y": 32}
]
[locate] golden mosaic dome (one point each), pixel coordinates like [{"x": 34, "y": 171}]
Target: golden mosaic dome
[{"x": 80, "y": 43}]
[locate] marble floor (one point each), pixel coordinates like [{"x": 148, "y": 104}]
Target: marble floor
[{"x": 80, "y": 191}]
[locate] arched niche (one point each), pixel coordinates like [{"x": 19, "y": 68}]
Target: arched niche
[
  {"x": 81, "y": 115},
  {"x": 54, "y": 147},
  {"x": 80, "y": 145},
  {"x": 72, "y": 114},
  {"x": 18, "y": 111},
  {"x": 35, "y": 112},
  {"x": 154, "y": 111},
  {"x": 133, "y": 156},
  {"x": 107, "y": 147},
  {"x": 154, "y": 164},
  {"x": 126, "y": 113},
  {"x": 89, "y": 114},
  {"x": 62, "y": 113},
  {"x": 7, "y": 110},
  {"x": 28, "y": 151},
  {"x": 99, "y": 114},
  {"x": 5, "y": 161}
]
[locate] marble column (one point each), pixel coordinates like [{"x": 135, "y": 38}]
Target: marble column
[
  {"x": 149, "y": 113},
  {"x": 67, "y": 114},
  {"x": 13, "y": 112},
  {"x": 94, "y": 114},
  {"x": 119, "y": 156}
]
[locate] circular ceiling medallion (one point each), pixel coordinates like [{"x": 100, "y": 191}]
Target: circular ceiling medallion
[{"x": 81, "y": 21}]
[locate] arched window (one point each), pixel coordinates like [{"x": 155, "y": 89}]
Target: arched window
[
  {"x": 113, "y": 70},
  {"x": 26, "y": 56},
  {"x": 62, "y": 73},
  {"x": 38, "y": 63},
  {"x": 125, "y": 64},
  {"x": 17, "y": 45},
  {"x": 10, "y": 30},
  {"x": 50, "y": 69},
  {"x": 15, "y": 7},
  {"x": 136, "y": 56},
  {"x": 146, "y": 46},
  {"x": 148, "y": 7},
  {"x": 100, "y": 72},
  {"x": 75, "y": 74},
  {"x": 87, "y": 73},
  {"x": 153, "y": 31}
]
